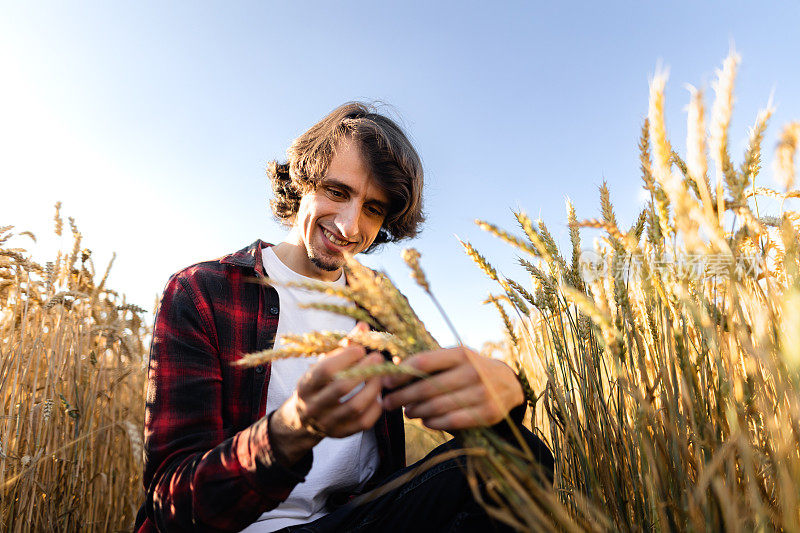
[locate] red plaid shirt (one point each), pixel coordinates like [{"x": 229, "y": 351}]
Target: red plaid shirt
[{"x": 207, "y": 459}]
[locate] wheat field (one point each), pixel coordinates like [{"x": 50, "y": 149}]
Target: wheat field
[
  {"x": 661, "y": 363},
  {"x": 71, "y": 388},
  {"x": 664, "y": 360}
]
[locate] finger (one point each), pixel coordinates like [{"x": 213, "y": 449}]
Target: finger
[
  {"x": 430, "y": 362},
  {"x": 393, "y": 382},
  {"x": 442, "y": 383},
  {"x": 329, "y": 396},
  {"x": 361, "y": 327},
  {"x": 362, "y": 423},
  {"x": 470, "y": 417},
  {"x": 353, "y": 408},
  {"x": 446, "y": 403},
  {"x": 329, "y": 364}
]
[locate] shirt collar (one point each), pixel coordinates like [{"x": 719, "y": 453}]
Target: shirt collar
[{"x": 248, "y": 257}]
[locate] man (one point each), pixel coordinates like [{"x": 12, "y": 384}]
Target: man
[{"x": 285, "y": 445}]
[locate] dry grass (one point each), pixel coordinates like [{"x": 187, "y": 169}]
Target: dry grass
[{"x": 71, "y": 390}]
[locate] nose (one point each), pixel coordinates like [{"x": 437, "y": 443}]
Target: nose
[{"x": 347, "y": 220}]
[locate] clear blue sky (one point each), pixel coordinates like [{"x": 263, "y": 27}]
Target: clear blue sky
[{"x": 153, "y": 121}]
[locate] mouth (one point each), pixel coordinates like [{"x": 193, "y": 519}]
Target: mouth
[{"x": 341, "y": 243}]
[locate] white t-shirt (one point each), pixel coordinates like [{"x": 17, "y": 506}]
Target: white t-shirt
[{"x": 339, "y": 464}]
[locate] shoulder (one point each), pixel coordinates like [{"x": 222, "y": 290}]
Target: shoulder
[{"x": 215, "y": 275}]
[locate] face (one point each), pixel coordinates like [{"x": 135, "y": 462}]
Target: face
[{"x": 343, "y": 214}]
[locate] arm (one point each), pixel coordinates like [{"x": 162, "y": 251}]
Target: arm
[{"x": 195, "y": 479}]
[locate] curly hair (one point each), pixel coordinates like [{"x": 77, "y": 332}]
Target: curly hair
[{"x": 387, "y": 152}]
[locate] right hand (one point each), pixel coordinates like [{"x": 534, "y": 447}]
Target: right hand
[{"x": 316, "y": 402}]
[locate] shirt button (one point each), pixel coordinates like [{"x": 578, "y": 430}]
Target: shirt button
[
  {"x": 273, "y": 310},
  {"x": 259, "y": 369}
]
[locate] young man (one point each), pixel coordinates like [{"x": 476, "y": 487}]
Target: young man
[{"x": 283, "y": 446}]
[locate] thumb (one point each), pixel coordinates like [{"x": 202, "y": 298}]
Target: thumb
[{"x": 361, "y": 327}]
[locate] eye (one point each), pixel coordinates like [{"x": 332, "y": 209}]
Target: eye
[
  {"x": 375, "y": 211},
  {"x": 334, "y": 193}
]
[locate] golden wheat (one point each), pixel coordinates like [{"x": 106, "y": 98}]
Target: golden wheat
[
  {"x": 671, "y": 397},
  {"x": 71, "y": 390}
]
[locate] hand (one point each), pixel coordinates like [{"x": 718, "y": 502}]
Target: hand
[
  {"x": 314, "y": 410},
  {"x": 466, "y": 390}
]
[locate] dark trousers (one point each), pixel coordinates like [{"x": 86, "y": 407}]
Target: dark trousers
[{"x": 438, "y": 499}]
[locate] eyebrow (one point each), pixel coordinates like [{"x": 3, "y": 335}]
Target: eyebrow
[{"x": 336, "y": 183}]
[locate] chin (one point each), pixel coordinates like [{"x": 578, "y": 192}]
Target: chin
[
  {"x": 324, "y": 260},
  {"x": 327, "y": 265}
]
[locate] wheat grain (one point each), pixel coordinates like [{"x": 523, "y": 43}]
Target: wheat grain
[
  {"x": 383, "y": 369},
  {"x": 697, "y": 164},
  {"x": 411, "y": 258},
  {"x": 720, "y": 122},
  {"x": 59, "y": 223},
  {"x": 507, "y": 237},
  {"x": 784, "y": 166},
  {"x": 480, "y": 261}
]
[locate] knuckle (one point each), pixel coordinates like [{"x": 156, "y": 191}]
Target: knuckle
[
  {"x": 491, "y": 414},
  {"x": 305, "y": 382},
  {"x": 357, "y": 404},
  {"x": 400, "y": 397},
  {"x": 324, "y": 372},
  {"x": 365, "y": 421},
  {"x": 308, "y": 412},
  {"x": 349, "y": 412},
  {"x": 353, "y": 350},
  {"x": 342, "y": 387}
]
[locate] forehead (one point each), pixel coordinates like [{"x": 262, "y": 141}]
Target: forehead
[{"x": 349, "y": 170}]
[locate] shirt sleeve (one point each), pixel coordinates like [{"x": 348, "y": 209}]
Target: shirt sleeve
[
  {"x": 539, "y": 449},
  {"x": 197, "y": 478}
]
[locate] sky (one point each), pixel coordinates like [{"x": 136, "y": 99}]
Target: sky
[{"x": 153, "y": 122}]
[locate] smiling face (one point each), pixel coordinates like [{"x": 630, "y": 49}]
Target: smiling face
[{"x": 342, "y": 215}]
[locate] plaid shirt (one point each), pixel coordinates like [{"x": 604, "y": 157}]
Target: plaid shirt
[{"x": 207, "y": 459}]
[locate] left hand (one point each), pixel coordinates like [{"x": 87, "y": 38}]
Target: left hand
[{"x": 466, "y": 389}]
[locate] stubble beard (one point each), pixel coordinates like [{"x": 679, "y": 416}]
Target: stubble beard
[
  {"x": 322, "y": 265},
  {"x": 327, "y": 264}
]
